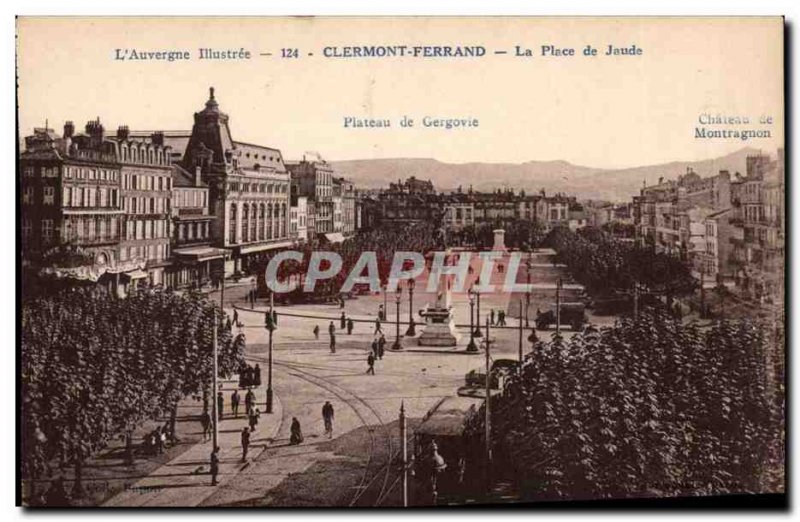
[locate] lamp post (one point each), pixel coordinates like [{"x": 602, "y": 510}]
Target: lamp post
[
  {"x": 477, "y": 332},
  {"x": 397, "y": 298},
  {"x": 411, "y": 332},
  {"x": 528, "y": 290},
  {"x": 471, "y": 347},
  {"x": 270, "y": 325}
]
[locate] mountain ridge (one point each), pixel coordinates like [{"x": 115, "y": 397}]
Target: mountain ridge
[{"x": 552, "y": 175}]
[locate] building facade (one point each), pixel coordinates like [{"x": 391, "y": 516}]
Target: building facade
[{"x": 249, "y": 189}]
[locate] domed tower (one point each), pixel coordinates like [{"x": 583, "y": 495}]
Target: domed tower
[{"x": 210, "y": 146}]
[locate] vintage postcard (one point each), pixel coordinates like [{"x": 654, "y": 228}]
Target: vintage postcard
[{"x": 400, "y": 261}]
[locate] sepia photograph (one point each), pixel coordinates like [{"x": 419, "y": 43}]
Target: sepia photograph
[{"x": 400, "y": 262}]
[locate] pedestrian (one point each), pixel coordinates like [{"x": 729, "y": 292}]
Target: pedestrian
[
  {"x": 249, "y": 399},
  {"x": 245, "y": 443},
  {"x": 235, "y": 403},
  {"x": 350, "y": 325},
  {"x": 253, "y": 417},
  {"x": 220, "y": 405},
  {"x": 316, "y": 332},
  {"x": 296, "y": 436},
  {"x": 342, "y": 322},
  {"x": 327, "y": 417},
  {"x": 331, "y": 328},
  {"x": 380, "y": 312},
  {"x": 275, "y": 317},
  {"x": 491, "y": 317},
  {"x": 378, "y": 325},
  {"x": 214, "y": 466},
  {"x": 235, "y": 317},
  {"x": 501, "y": 318},
  {"x": 381, "y": 345},
  {"x": 257, "y": 376},
  {"x": 341, "y": 301},
  {"x": 371, "y": 364},
  {"x": 333, "y": 343},
  {"x": 205, "y": 422}
]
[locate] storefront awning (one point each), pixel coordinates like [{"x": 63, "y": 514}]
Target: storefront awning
[
  {"x": 135, "y": 274},
  {"x": 201, "y": 253},
  {"x": 334, "y": 237},
  {"x": 249, "y": 249}
]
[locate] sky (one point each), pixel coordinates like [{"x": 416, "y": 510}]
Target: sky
[{"x": 607, "y": 112}]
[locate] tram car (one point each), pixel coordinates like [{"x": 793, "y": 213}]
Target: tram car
[
  {"x": 572, "y": 314},
  {"x": 441, "y": 452}
]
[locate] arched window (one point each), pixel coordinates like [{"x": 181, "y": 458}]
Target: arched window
[
  {"x": 232, "y": 225},
  {"x": 269, "y": 220},
  {"x": 245, "y": 223},
  {"x": 262, "y": 223},
  {"x": 253, "y": 223}
]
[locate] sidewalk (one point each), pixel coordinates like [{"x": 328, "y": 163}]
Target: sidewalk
[{"x": 185, "y": 481}]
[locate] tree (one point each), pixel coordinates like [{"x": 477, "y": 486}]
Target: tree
[
  {"x": 95, "y": 366},
  {"x": 646, "y": 408}
]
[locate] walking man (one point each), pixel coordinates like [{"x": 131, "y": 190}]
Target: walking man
[
  {"x": 316, "y": 332},
  {"x": 333, "y": 342},
  {"x": 342, "y": 322},
  {"x": 371, "y": 364},
  {"x": 350, "y": 326},
  {"x": 235, "y": 317},
  {"x": 491, "y": 317},
  {"x": 374, "y": 347},
  {"x": 381, "y": 346},
  {"x": 327, "y": 417},
  {"x": 235, "y": 403},
  {"x": 205, "y": 422},
  {"x": 331, "y": 328},
  {"x": 378, "y": 326},
  {"x": 245, "y": 443},
  {"x": 252, "y": 418},
  {"x": 220, "y": 405},
  {"x": 214, "y": 466},
  {"x": 249, "y": 399}
]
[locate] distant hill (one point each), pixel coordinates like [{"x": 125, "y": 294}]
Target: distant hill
[{"x": 553, "y": 176}]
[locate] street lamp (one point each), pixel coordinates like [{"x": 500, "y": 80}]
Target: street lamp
[
  {"x": 411, "y": 332},
  {"x": 471, "y": 347},
  {"x": 528, "y": 290},
  {"x": 477, "y": 332},
  {"x": 397, "y": 344},
  {"x": 270, "y": 326}
]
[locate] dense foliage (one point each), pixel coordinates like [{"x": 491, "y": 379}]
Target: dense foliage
[
  {"x": 604, "y": 264},
  {"x": 647, "y": 408},
  {"x": 94, "y": 366}
]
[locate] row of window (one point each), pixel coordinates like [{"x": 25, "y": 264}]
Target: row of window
[
  {"x": 136, "y": 229},
  {"x": 143, "y": 205},
  {"x": 190, "y": 198},
  {"x": 80, "y": 229},
  {"x": 259, "y": 188},
  {"x": 132, "y": 181},
  {"x": 87, "y": 197},
  {"x": 158, "y": 252},
  {"x": 89, "y": 173},
  {"x": 193, "y": 231},
  {"x": 154, "y": 156},
  {"x": 254, "y": 222}
]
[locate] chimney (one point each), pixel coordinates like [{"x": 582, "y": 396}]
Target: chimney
[
  {"x": 95, "y": 131},
  {"x": 198, "y": 174},
  {"x": 69, "y": 129},
  {"x": 157, "y": 138},
  {"x": 123, "y": 132}
]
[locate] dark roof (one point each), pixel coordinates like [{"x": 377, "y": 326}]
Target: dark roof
[{"x": 183, "y": 178}]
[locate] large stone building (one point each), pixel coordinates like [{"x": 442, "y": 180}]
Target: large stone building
[
  {"x": 313, "y": 179},
  {"x": 146, "y": 191},
  {"x": 71, "y": 212},
  {"x": 249, "y": 188}
]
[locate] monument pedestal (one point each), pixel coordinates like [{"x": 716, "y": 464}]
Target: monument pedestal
[{"x": 439, "y": 329}]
